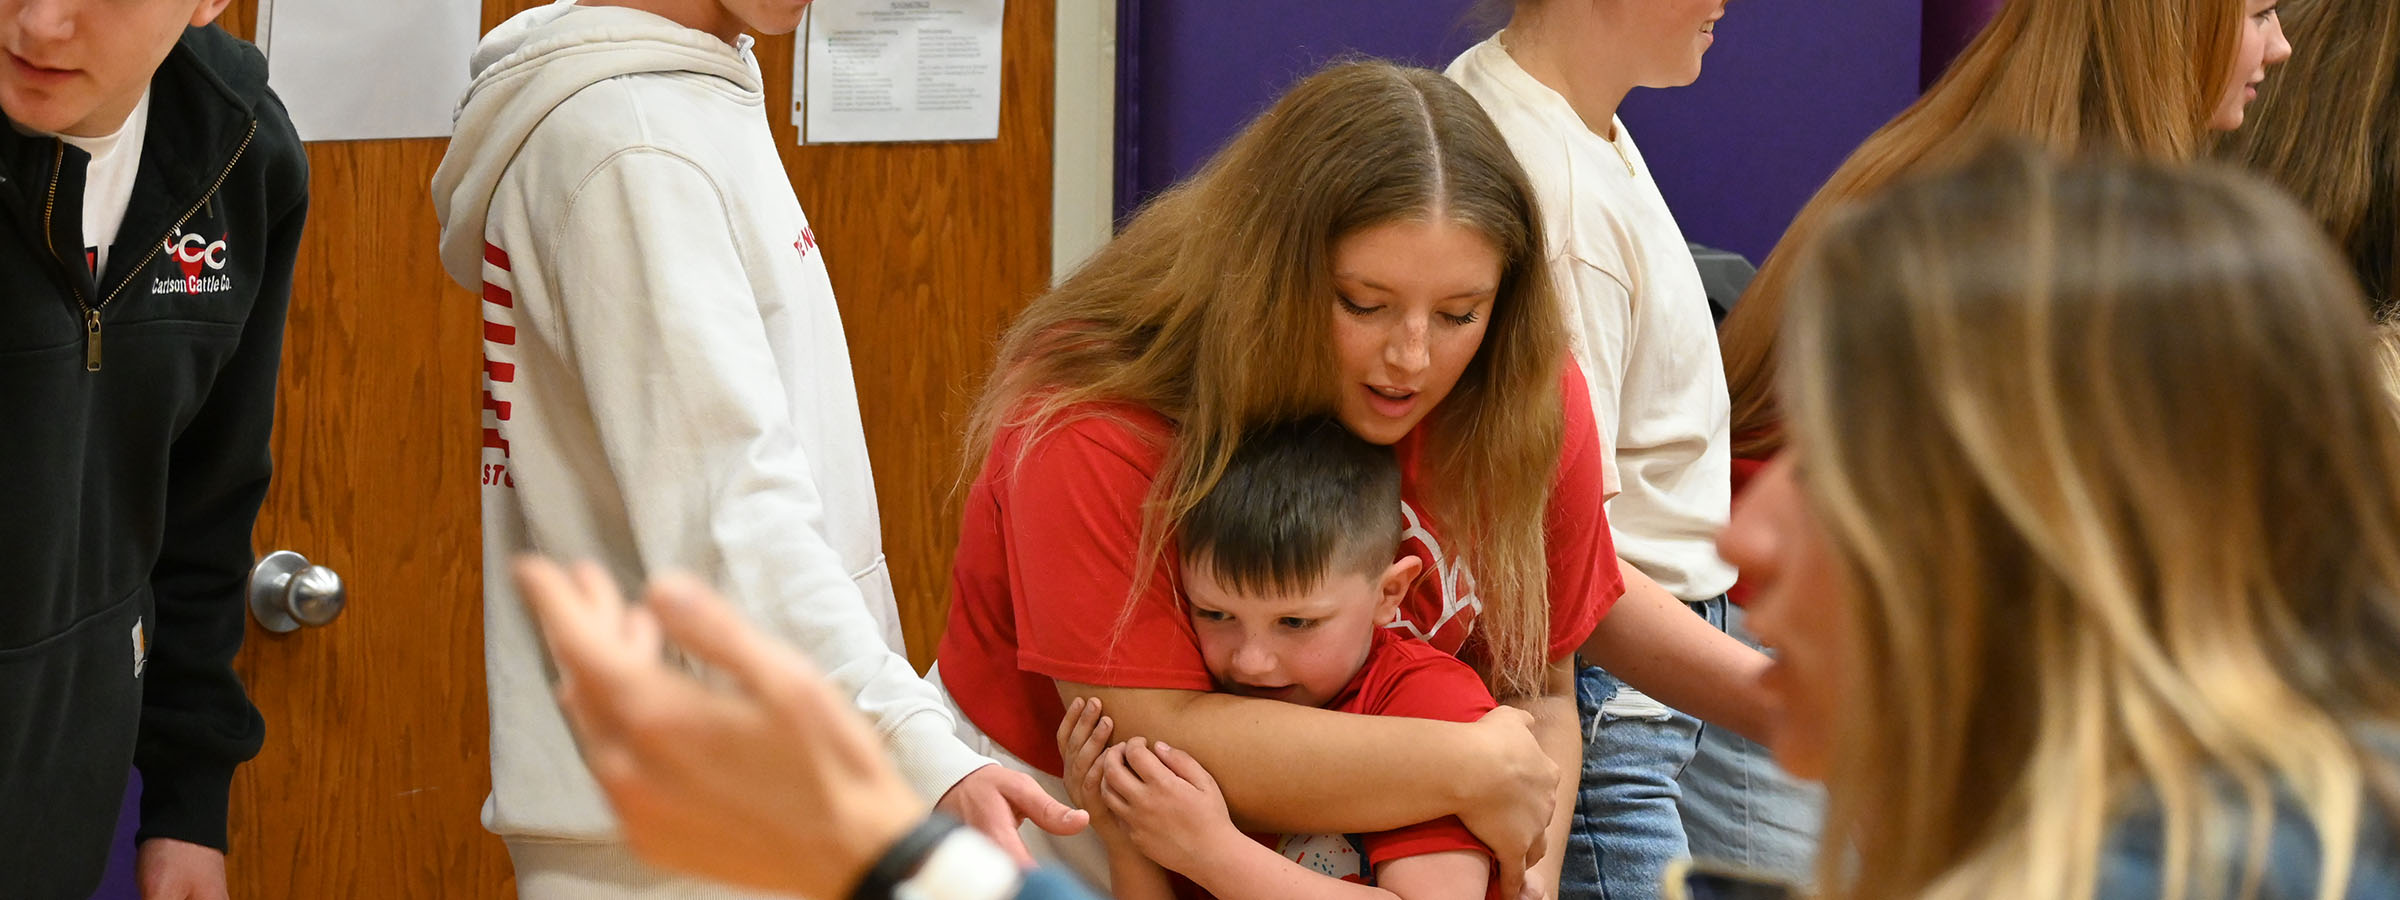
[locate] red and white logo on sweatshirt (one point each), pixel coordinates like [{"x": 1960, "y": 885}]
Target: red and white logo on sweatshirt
[
  {"x": 202, "y": 261},
  {"x": 499, "y": 365}
]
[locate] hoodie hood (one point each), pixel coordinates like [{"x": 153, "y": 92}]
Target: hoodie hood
[{"x": 524, "y": 69}]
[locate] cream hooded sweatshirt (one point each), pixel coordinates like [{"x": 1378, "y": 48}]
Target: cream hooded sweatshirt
[{"x": 666, "y": 384}]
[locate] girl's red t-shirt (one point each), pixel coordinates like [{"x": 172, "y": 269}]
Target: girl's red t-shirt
[{"x": 1046, "y": 560}]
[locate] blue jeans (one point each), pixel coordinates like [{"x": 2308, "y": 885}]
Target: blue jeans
[
  {"x": 1647, "y": 801},
  {"x": 1739, "y": 808}
]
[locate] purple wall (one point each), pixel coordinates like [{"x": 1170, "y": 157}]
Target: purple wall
[
  {"x": 1949, "y": 26},
  {"x": 119, "y": 883},
  {"x": 1791, "y": 87},
  {"x": 1193, "y": 73}
]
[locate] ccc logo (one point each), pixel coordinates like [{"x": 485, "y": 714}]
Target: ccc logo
[{"x": 193, "y": 251}]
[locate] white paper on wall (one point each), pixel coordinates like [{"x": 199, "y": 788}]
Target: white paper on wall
[
  {"x": 899, "y": 70},
  {"x": 800, "y": 76},
  {"x": 369, "y": 69}
]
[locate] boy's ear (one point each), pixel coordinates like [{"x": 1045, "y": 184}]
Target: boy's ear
[
  {"x": 1394, "y": 584},
  {"x": 207, "y": 11}
]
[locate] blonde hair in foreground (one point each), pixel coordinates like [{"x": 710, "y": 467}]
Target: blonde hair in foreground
[
  {"x": 1215, "y": 305},
  {"x": 2139, "y": 77},
  {"x": 2105, "y": 455}
]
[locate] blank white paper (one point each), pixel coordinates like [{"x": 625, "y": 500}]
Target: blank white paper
[{"x": 369, "y": 69}]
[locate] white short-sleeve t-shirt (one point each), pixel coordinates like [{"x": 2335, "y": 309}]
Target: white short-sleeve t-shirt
[{"x": 1640, "y": 321}]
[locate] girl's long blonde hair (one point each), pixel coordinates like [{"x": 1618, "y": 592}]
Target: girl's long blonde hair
[
  {"x": 2141, "y": 77},
  {"x": 1215, "y": 305},
  {"x": 2104, "y": 452},
  {"x": 2327, "y": 128}
]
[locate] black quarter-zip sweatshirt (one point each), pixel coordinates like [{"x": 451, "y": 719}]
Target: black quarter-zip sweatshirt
[{"x": 135, "y": 411}]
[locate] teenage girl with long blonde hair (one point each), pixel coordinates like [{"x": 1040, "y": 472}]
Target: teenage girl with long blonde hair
[
  {"x": 1367, "y": 248},
  {"x": 2327, "y": 128},
  {"x": 2084, "y": 561},
  {"x": 2150, "y": 78}
]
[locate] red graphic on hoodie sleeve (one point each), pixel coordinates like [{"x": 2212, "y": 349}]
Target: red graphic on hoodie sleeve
[{"x": 499, "y": 377}]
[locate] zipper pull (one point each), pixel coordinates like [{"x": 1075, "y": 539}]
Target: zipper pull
[{"x": 91, "y": 341}]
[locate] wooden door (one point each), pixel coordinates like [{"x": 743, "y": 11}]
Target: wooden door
[{"x": 376, "y": 763}]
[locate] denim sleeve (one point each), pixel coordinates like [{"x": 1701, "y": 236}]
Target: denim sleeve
[{"x": 1050, "y": 884}]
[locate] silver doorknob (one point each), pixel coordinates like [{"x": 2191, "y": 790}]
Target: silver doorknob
[{"x": 287, "y": 593}]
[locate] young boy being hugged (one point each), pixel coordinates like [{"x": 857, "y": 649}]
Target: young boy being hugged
[{"x": 1288, "y": 577}]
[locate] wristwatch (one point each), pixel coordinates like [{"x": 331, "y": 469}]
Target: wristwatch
[{"x": 941, "y": 860}]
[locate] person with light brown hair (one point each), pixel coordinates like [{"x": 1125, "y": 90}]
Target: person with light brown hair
[
  {"x": 2084, "y": 560},
  {"x": 2328, "y": 130},
  {"x": 2150, "y": 78},
  {"x": 1367, "y": 248}
]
